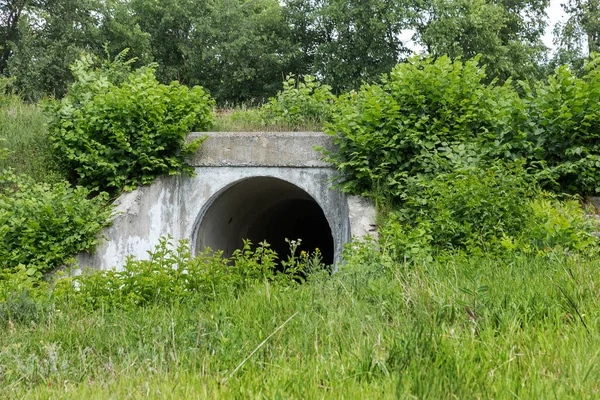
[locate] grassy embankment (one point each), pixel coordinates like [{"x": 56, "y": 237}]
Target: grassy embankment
[
  {"x": 23, "y": 133},
  {"x": 367, "y": 332},
  {"x": 242, "y": 119},
  {"x": 467, "y": 327}
]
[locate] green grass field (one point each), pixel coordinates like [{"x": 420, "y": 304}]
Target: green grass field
[{"x": 466, "y": 328}]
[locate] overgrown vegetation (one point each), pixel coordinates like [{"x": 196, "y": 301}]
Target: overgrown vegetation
[
  {"x": 563, "y": 129},
  {"x": 464, "y": 327},
  {"x": 117, "y": 129},
  {"x": 23, "y": 133},
  {"x": 43, "y": 225},
  {"x": 302, "y": 105},
  {"x": 482, "y": 282}
]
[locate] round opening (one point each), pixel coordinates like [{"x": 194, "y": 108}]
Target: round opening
[{"x": 265, "y": 209}]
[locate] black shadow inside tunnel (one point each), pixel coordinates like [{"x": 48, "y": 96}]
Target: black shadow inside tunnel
[{"x": 265, "y": 209}]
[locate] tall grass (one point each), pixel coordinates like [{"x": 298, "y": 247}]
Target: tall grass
[
  {"x": 23, "y": 132},
  {"x": 247, "y": 119},
  {"x": 468, "y": 327}
]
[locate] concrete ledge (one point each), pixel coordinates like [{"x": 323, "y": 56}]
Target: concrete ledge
[{"x": 265, "y": 149}]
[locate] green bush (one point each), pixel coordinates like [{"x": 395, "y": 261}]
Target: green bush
[
  {"x": 116, "y": 130},
  {"x": 475, "y": 206},
  {"x": 173, "y": 275},
  {"x": 299, "y": 104},
  {"x": 471, "y": 208},
  {"x": 565, "y": 112},
  {"x": 43, "y": 225},
  {"x": 559, "y": 224},
  {"x": 23, "y": 298},
  {"x": 426, "y": 118},
  {"x": 486, "y": 210},
  {"x": 17, "y": 280}
]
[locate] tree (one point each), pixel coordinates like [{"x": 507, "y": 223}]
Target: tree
[
  {"x": 169, "y": 26},
  {"x": 348, "y": 41},
  {"x": 10, "y": 14},
  {"x": 49, "y": 35},
  {"x": 579, "y": 36},
  {"x": 506, "y": 33},
  {"x": 240, "y": 50},
  {"x": 52, "y": 33}
]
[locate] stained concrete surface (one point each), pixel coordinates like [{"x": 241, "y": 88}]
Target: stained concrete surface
[{"x": 260, "y": 186}]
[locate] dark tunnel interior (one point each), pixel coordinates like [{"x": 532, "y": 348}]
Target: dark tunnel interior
[{"x": 265, "y": 209}]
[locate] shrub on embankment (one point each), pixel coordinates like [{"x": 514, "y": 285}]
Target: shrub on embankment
[
  {"x": 116, "y": 129},
  {"x": 460, "y": 163},
  {"x": 429, "y": 117},
  {"x": 43, "y": 225}
]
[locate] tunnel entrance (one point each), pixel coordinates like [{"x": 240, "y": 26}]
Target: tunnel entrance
[{"x": 265, "y": 209}]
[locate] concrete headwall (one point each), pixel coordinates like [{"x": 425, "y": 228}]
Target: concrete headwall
[{"x": 244, "y": 183}]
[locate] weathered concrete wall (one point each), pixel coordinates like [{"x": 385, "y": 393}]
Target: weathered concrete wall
[{"x": 176, "y": 205}]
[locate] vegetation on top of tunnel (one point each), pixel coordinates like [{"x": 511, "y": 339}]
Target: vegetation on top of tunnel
[{"x": 116, "y": 128}]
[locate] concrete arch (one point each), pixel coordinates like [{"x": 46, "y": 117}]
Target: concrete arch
[
  {"x": 269, "y": 181},
  {"x": 263, "y": 208}
]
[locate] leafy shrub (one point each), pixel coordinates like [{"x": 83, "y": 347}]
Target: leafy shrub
[
  {"x": 299, "y": 103},
  {"x": 565, "y": 112},
  {"x": 560, "y": 224},
  {"x": 22, "y": 296},
  {"x": 426, "y": 118},
  {"x": 475, "y": 206},
  {"x": 43, "y": 225},
  {"x": 486, "y": 210},
  {"x": 471, "y": 208},
  {"x": 172, "y": 275},
  {"x": 117, "y": 130}
]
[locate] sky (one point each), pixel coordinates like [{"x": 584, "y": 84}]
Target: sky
[{"x": 555, "y": 14}]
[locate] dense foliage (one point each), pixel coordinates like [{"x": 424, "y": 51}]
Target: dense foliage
[
  {"x": 430, "y": 117},
  {"x": 239, "y": 50},
  {"x": 457, "y": 163},
  {"x": 115, "y": 130},
  {"x": 43, "y": 225},
  {"x": 564, "y": 126},
  {"x": 173, "y": 275},
  {"x": 427, "y": 117},
  {"x": 299, "y": 103},
  {"x": 494, "y": 210}
]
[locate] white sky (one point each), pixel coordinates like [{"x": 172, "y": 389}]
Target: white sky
[{"x": 555, "y": 14}]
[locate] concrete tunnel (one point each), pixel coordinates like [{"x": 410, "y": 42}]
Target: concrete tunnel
[
  {"x": 255, "y": 185},
  {"x": 264, "y": 209}
]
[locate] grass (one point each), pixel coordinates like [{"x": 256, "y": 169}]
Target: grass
[
  {"x": 367, "y": 332},
  {"x": 23, "y": 133},
  {"x": 242, "y": 119}
]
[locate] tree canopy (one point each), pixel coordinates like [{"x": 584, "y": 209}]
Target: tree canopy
[{"x": 241, "y": 50}]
